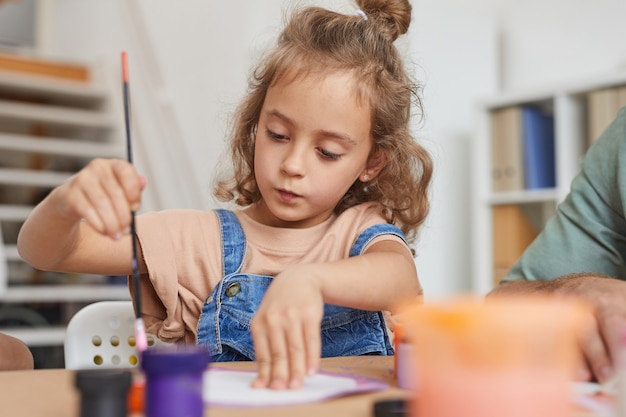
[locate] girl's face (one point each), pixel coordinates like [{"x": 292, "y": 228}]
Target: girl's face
[{"x": 312, "y": 144}]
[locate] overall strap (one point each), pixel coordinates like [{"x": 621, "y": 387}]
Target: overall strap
[
  {"x": 233, "y": 241},
  {"x": 371, "y": 233}
]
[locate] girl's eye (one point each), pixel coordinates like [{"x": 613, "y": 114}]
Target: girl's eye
[
  {"x": 275, "y": 135},
  {"x": 328, "y": 155}
]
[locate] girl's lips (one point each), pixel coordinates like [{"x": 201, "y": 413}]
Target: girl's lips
[{"x": 287, "y": 195}]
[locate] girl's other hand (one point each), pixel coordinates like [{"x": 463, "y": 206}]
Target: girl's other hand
[
  {"x": 103, "y": 193},
  {"x": 286, "y": 330}
]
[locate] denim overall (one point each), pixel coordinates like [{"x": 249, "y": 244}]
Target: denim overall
[{"x": 224, "y": 325}]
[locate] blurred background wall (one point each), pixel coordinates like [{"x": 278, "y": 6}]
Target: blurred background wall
[{"x": 190, "y": 60}]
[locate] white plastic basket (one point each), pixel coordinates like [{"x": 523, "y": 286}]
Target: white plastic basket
[{"x": 101, "y": 335}]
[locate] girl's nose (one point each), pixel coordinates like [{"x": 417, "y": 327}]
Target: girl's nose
[{"x": 293, "y": 162}]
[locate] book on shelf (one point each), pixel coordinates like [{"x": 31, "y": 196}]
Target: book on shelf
[
  {"x": 506, "y": 149},
  {"x": 538, "y": 148},
  {"x": 523, "y": 148},
  {"x": 602, "y": 107},
  {"x": 512, "y": 233}
]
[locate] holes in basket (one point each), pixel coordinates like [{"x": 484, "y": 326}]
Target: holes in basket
[
  {"x": 96, "y": 340},
  {"x": 115, "y": 360},
  {"x": 132, "y": 342}
]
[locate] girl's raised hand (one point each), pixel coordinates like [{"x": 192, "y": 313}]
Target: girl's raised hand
[
  {"x": 103, "y": 193},
  {"x": 286, "y": 330}
]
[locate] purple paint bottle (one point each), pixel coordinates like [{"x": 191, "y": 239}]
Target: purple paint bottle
[{"x": 174, "y": 380}]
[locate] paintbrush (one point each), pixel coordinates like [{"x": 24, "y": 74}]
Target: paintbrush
[{"x": 140, "y": 329}]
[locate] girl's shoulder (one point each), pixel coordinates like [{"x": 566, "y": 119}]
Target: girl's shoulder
[
  {"x": 366, "y": 214},
  {"x": 352, "y": 222},
  {"x": 364, "y": 224}
]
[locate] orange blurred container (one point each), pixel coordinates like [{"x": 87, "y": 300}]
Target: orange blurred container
[
  {"x": 136, "y": 394},
  {"x": 505, "y": 357}
]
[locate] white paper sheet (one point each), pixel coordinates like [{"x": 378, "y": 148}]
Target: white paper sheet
[{"x": 231, "y": 388}]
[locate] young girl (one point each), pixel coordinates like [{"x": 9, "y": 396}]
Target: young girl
[{"x": 331, "y": 188}]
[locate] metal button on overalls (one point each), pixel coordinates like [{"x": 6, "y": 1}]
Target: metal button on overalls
[{"x": 233, "y": 289}]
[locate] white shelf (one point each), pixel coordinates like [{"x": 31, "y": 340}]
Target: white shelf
[
  {"x": 10, "y": 252},
  {"x": 86, "y": 92},
  {"x": 32, "y": 178},
  {"x": 49, "y": 122},
  {"x": 14, "y": 213},
  {"x": 38, "y": 336},
  {"x": 64, "y": 293},
  {"x": 524, "y": 197},
  {"x": 568, "y": 102},
  {"x": 54, "y": 115},
  {"x": 59, "y": 146}
]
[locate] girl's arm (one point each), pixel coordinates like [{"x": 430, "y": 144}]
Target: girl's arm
[
  {"x": 380, "y": 280},
  {"x": 286, "y": 328},
  {"x": 82, "y": 225}
]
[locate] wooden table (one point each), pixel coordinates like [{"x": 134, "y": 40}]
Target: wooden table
[{"x": 51, "y": 392}]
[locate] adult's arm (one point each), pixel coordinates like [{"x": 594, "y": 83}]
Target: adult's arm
[{"x": 606, "y": 296}]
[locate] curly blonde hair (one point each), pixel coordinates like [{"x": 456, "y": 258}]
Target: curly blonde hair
[{"x": 317, "y": 40}]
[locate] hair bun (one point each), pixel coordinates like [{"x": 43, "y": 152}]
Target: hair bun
[{"x": 394, "y": 16}]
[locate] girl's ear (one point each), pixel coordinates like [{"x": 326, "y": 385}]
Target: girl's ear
[{"x": 375, "y": 163}]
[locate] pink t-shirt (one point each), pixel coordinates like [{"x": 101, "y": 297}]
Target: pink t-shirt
[{"x": 182, "y": 251}]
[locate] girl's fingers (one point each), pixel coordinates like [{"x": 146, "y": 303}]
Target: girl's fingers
[
  {"x": 279, "y": 356},
  {"x": 116, "y": 206},
  {"x": 81, "y": 198},
  {"x": 143, "y": 182},
  {"x": 131, "y": 183},
  {"x": 86, "y": 211},
  {"x": 104, "y": 193},
  {"x": 99, "y": 198},
  {"x": 262, "y": 356},
  {"x": 313, "y": 342},
  {"x": 287, "y": 339},
  {"x": 297, "y": 355},
  {"x": 270, "y": 346}
]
